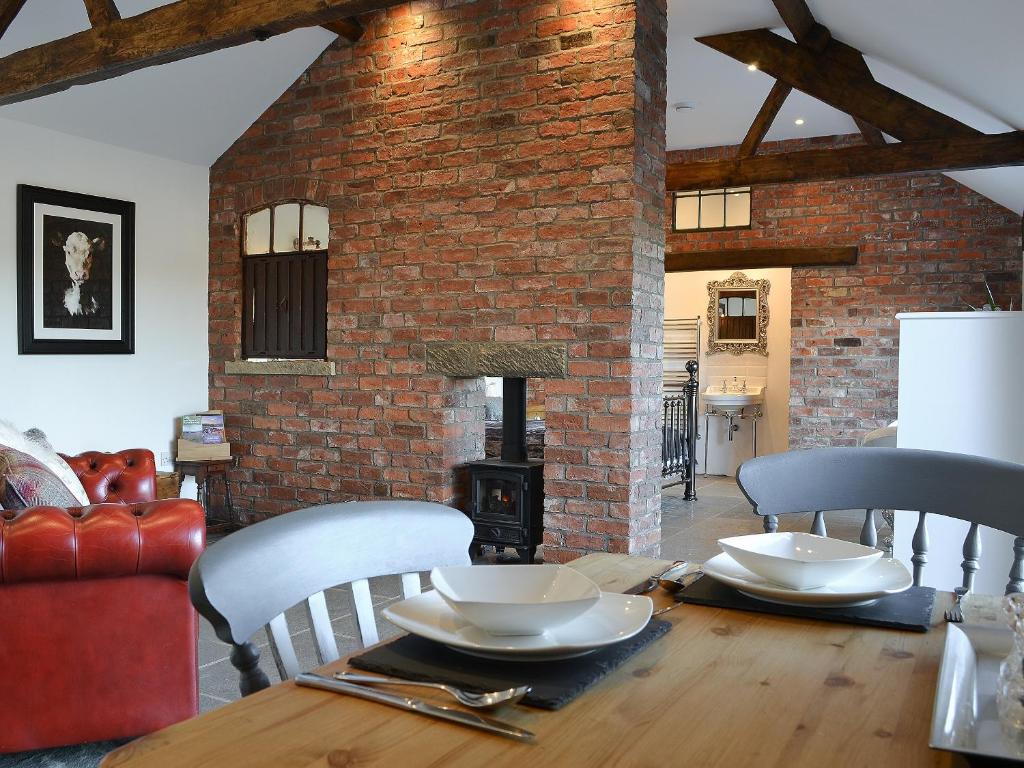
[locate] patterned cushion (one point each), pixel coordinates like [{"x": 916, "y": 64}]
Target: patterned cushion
[
  {"x": 26, "y": 482},
  {"x": 12, "y": 437}
]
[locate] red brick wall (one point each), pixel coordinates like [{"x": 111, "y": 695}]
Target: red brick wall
[
  {"x": 926, "y": 244},
  {"x": 492, "y": 171}
]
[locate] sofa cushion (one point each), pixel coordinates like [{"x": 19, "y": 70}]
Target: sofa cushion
[
  {"x": 26, "y": 482},
  {"x": 34, "y": 443}
]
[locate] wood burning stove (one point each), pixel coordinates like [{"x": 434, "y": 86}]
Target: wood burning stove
[{"x": 507, "y": 494}]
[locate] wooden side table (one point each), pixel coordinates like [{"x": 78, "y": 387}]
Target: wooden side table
[{"x": 203, "y": 471}]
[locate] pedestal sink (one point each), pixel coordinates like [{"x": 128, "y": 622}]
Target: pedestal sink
[
  {"x": 727, "y": 402},
  {"x": 731, "y": 400}
]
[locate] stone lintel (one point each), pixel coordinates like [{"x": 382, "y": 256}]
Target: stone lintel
[
  {"x": 545, "y": 360},
  {"x": 279, "y": 367}
]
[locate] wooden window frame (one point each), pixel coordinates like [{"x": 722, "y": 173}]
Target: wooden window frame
[{"x": 294, "y": 277}]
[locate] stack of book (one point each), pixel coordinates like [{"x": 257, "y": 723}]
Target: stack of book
[{"x": 202, "y": 437}]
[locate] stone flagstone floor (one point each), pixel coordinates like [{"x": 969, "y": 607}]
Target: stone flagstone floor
[{"x": 690, "y": 530}]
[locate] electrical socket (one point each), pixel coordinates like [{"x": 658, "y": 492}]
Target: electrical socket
[{"x": 165, "y": 459}]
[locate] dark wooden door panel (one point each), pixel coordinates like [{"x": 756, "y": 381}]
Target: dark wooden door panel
[{"x": 285, "y": 305}]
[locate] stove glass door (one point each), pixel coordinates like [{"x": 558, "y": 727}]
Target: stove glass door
[{"x": 499, "y": 498}]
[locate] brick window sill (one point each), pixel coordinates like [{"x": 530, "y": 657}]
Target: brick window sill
[{"x": 280, "y": 367}]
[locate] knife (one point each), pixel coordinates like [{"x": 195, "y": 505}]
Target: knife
[{"x": 409, "y": 704}]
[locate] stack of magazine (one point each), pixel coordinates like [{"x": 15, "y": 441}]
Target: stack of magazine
[{"x": 202, "y": 437}]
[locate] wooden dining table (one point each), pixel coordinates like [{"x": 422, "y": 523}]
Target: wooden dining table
[{"x": 723, "y": 688}]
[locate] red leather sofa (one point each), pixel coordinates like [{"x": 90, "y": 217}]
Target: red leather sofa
[{"x": 97, "y": 635}]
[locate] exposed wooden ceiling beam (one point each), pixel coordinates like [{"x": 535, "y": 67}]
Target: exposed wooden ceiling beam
[
  {"x": 8, "y": 10},
  {"x": 871, "y": 135},
  {"x": 798, "y": 18},
  {"x": 808, "y": 32},
  {"x": 764, "y": 119},
  {"x": 349, "y": 28},
  {"x": 855, "y": 60},
  {"x": 830, "y": 77},
  {"x": 956, "y": 154},
  {"x": 102, "y": 12},
  {"x": 754, "y": 258},
  {"x": 168, "y": 33}
]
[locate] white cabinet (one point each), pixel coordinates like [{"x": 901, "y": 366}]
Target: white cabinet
[{"x": 960, "y": 380}]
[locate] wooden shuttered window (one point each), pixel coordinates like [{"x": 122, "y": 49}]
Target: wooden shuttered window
[
  {"x": 285, "y": 309},
  {"x": 284, "y": 257}
]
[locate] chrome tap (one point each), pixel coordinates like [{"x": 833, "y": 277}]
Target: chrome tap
[{"x": 743, "y": 388}]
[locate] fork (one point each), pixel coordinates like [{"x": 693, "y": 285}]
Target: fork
[
  {"x": 468, "y": 698},
  {"x": 955, "y": 615}
]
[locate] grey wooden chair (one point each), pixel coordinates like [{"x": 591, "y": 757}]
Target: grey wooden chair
[
  {"x": 884, "y": 437},
  {"x": 248, "y": 579},
  {"x": 980, "y": 491}
]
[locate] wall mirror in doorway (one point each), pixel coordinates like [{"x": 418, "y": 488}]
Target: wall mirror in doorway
[{"x": 738, "y": 315}]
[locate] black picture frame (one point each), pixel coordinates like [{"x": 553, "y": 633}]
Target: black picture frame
[{"x": 76, "y": 273}]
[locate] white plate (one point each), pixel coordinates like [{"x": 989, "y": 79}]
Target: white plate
[
  {"x": 883, "y": 577},
  {"x": 615, "y": 617}
]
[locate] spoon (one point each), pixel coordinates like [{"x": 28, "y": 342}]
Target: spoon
[
  {"x": 475, "y": 700},
  {"x": 676, "y": 578},
  {"x": 664, "y": 578}
]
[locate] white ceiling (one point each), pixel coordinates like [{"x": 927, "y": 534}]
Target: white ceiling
[
  {"x": 961, "y": 58},
  {"x": 190, "y": 110}
]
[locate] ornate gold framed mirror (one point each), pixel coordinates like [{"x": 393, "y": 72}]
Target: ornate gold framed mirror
[{"x": 738, "y": 315}]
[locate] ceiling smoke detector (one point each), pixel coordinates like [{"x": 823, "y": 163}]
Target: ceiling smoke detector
[{"x": 681, "y": 105}]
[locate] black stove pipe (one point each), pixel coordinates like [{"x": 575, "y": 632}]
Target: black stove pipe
[{"x": 513, "y": 420}]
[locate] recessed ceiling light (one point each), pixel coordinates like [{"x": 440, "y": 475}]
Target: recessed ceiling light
[
  {"x": 684, "y": 105},
  {"x": 799, "y": 121},
  {"x": 751, "y": 67}
]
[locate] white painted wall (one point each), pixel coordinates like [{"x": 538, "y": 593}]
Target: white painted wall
[
  {"x": 980, "y": 415},
  {"x": 110, "y": 402},
  {"x": 686, "y": 295}
]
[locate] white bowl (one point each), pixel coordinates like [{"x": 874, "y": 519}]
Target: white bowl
[
  {"x": 515, "y": 599},
  {"x": 799, "y": 560}
]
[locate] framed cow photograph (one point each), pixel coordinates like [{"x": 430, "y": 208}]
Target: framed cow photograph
[{"x": 76, "y": 273}]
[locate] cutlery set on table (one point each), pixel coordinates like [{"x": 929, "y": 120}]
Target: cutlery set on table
[
  {"x": 497, "y": 623},
  {"x": 352, "y": 685}
]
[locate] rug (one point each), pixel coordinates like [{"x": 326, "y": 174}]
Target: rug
[{"x": 78, "y": 756}]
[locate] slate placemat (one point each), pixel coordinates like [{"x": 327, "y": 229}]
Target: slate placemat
[
  {"x": 554, "y": 683},
  {"x": 911, "y": 609}
]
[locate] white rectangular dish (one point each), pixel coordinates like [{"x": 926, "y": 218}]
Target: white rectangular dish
[
  {"x": 515, "y": 599},
  {"x": 965, "y": 719},
  {"x": 799, "y": 560}
]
